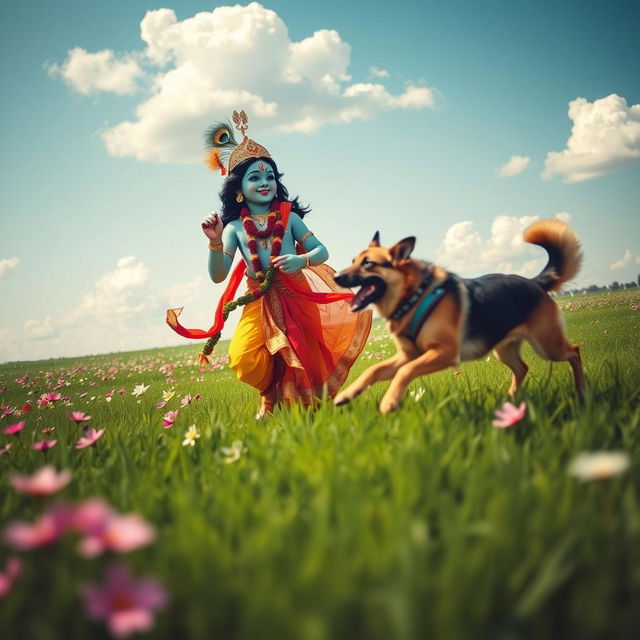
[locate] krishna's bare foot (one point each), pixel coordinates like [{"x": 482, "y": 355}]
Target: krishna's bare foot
[{"x": 267, "y": 403}]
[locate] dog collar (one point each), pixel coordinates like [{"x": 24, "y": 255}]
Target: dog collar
[{"x": 407, "y": 305}]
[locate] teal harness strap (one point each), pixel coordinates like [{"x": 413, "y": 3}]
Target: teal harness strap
[{"x": 423, "y": 311}]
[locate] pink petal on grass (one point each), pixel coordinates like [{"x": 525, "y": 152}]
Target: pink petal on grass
[
  {"x": 119, "y": 534},
  {"x": 43, "y": 482},
  {"x": 124, "y": 604},
  {"x": 79, "y": 416},
  {"x": 91, "y": 516},
  {"x": 12, "y": 429},
  {"x": 509, "y": 415},
  {"x": 90, "y": 438},
  {"x": 44, "y": 445},
  {"x": 9, "y": 575},
  {"x": 169, "y": 418},
  {"x": 47, "y": 529}
]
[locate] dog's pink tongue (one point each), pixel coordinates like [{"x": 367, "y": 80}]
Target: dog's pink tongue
[{"x": 361, "y": 295}]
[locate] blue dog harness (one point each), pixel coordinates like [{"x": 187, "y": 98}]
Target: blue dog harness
[
  {"x": 425, "y": 307},
  {"x": 423, "y": 312}
]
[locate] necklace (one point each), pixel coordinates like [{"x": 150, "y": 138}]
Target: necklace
[
  {"x": 260, "y": 218},
  {"x": 274, "y": 231}
]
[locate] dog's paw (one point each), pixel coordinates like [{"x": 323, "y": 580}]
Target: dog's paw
[
  {"x": 387, "y": 405},
  {"x": 341, "y": 399}
]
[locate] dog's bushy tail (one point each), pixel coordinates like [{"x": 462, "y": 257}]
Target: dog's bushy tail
[{"x": 563, "y": 247}]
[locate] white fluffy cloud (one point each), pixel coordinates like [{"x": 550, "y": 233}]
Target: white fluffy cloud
[
  {"x": 605, "y": 136},
  {"x": 626, "y": 260},
  {"x": 376, "y": 72},
  {"x": 40, "y": 330},
  {"x": 89, "y": 73},
  {"x": 123, "y": 311},
  {"x": 8, "y": 264},
  {"x": 465, "y": 251},
  {"x": 232, "y": 57},
  {"x": 514, "y": 166}
]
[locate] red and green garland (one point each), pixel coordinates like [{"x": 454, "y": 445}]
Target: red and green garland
[{"x": 274, "y": 229}]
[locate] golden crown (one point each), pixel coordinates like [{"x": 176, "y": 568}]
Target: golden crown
[{"x": 223, "y": 145}]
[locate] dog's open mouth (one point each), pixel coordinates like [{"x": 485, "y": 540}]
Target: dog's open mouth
[{"x": 372, "y": 289}]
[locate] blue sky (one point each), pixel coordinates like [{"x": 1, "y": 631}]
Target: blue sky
[{"x": 410, "y": 112}]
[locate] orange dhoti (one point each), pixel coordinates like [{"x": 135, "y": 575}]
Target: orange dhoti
[{"x": 301, "y": 347}]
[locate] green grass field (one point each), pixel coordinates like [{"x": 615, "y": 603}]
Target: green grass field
[{"x": 342, "y": 523}]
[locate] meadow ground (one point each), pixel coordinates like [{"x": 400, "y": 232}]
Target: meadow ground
[{"x": 333, "y": 523}]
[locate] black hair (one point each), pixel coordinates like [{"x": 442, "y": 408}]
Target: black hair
[{"x": 233, "y": 184}]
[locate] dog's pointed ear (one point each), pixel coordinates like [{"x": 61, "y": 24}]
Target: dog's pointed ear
[
  {"x": 375, "y": 242},
  {"x": 402, "y": 250}
]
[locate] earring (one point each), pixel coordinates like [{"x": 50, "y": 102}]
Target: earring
[{"x": 239, "y": 197}]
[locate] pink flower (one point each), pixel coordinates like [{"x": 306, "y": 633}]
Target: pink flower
[
  {"x": 43, "y": 482},
  {"x": 79, "y": 416},
  {"x": 26, "y": 407},
  {"x": 186, "y": 400},
  {"x": 47, "y": 399},
  {"x": 509, "y": 415},
  {"x": 44, "y": 445},
  {"x": 90, "y": 516},
  {"x": 118, "y": 533},
  {"x": 91, "y": 436},
  {"x": 169, "y": 418},
  {"x": 125, "y": 605},
  {"x": 47, "y": 529},
  {"x": 48, "y": 430},
  {"x": 12, "y": 571},
  {"x": 12, "y": 429},
  {"x": 161, "y": 405}
]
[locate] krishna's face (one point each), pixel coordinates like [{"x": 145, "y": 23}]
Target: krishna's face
[{"x": 259, "y": 183}]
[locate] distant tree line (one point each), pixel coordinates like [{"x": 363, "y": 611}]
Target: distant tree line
[{"x": 594, "y": 288}]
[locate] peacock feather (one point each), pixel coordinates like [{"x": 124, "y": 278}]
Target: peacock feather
[{"x": 221, "y": 142}]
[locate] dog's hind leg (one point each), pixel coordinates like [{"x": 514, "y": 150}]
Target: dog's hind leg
[
  {"x": 384, "y": 370},
  {"x": 546, "y": 336},
  {"x": 508, "y": 352}
]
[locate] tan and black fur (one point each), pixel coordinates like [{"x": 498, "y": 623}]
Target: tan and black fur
[{"x": 494, "y": 312}]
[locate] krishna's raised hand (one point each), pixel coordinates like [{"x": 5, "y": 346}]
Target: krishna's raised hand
[{"x": 212, "y": 227}]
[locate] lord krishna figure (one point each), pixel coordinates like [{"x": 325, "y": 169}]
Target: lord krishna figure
[{"x": 297, "y": 338}]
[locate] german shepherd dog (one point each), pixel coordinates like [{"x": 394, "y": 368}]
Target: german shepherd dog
[{"x": 438, "y": 319}]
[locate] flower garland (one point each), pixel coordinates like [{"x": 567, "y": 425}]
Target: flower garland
[
  {"x": 274, "y": 229},
  {"x": 248, "y": 297}
]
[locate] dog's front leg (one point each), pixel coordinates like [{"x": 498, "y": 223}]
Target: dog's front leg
[
  {"x": 384, "y": 370},
  {"x": 435, "y": 359}
]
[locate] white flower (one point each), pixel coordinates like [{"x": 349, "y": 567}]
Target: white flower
[
  {"x": 139, "y": 389},
  {"x": 599, "y": 465},
  {"x": 190, "y": 436},
  {"x": 416, "y": 394},
  {"x": 167, "y": 395},
  {"x": 232, "y": 453}
]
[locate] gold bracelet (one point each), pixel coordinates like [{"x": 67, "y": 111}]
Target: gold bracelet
[
  {"x": 306, "y": 236},
  {"x": 308, "y": 259},
  {"x": 229, "y": 253},
  {"x": 216, "y": 247}
]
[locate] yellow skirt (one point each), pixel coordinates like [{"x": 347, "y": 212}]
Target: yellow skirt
[{"x": 315, "y": 344}]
